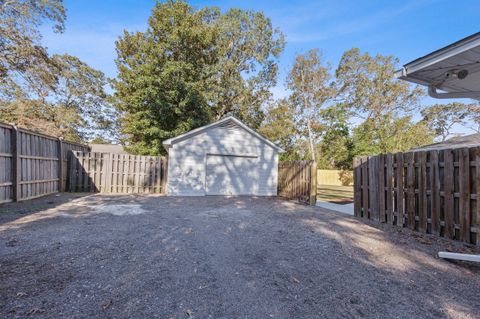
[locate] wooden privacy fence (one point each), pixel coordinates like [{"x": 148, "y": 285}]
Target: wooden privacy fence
[
  {"x": 298, "y": 180},
  {"x": 32, "y": 164},
  {"x": 117, "y": 173},
  {"x": 435, "y": 192}
]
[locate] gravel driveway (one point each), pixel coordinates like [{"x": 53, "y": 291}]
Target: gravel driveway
[{"x": 101, "y": 256}]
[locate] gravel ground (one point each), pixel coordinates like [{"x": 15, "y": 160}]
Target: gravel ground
[{"x": 132, "y": 256}]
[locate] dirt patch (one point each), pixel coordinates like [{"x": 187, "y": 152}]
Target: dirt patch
[{"x": 215, "y": 257}]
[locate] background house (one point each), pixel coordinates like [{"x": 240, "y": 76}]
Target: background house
[
  {"x": 471, "y": 140},
  {"x": 108, "y": 148}
]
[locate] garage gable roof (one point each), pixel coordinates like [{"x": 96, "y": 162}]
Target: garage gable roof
[{"x": 173, "y": 140}]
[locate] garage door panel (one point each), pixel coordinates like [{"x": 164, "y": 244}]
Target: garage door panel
[{"x": 231, "y": 175}]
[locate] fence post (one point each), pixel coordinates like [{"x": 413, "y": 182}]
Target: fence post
[
  {"x": 477, "y": 191},
  {"x": 357, "y": 191},
  {"x": 16, "y": 174},
  {"x": 60, "y": 165},
  {"x": 164, "y": 173},
  {"x": 105, "y": 180},
  {"x": 72, "y": 176},
  {"x": 313, "y": 183}
]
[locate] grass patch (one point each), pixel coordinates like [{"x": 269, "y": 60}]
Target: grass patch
[{"x": 335, "y": 194}]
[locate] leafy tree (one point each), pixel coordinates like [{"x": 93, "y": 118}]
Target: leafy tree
[
  {"x": 474, "y": 117},
  {"x": 381, "y": 104},
  {"x": 99, "y": 140},
  {"x": 191, "y": 67},
  {"x": 392, "y": 134},
  {"x": 335, "y": 150},
  {"x": 279, "y": 126},
  {"x": 248, "y": 52},
  {"x": 161, "y": 86},
  {"x": 73, "y": 106},
  {"x": 59, "y": 94},
  {"x": 24, "y": 62},
  {"x": 368, "y": 88},
  {"x": 441, "y": 118},
  {"x": 309, "y": 81}
]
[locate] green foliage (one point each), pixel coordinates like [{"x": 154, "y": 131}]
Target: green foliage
[
  {"x": 73, "y": 106},
  {"x": 335, "y": 150},
  {"x": 364, "y": 110},
  {"x": 390, "y": 135},
  {"x": 367, "y": 86},
  {"x": 99, "y": 140},
  {"x": 309, "y": 81},
  {"x": 248, "y": 50},
  {"x": 474, "y": 117},
  {"x": 24, "y": 62},
  {"x": 59, "y": 95},
  {"x": 382, "y": 104},
  {"x": 161, "y": 88},
  {"x": 192, "y": 67},
  {"x": 441, "y": 118},
  {"x": 279, "y": 127}
]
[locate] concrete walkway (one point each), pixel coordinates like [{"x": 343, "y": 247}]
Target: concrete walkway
[{"x": 344, "y": 209}]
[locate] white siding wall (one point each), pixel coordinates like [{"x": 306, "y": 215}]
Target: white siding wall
[{"x": 187, "y": 159}]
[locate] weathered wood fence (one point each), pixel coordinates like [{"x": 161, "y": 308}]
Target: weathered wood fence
[
  {"x": 435, "y": 192},
  {"x": 298, "y": 180},
  {"x": 32, "y": 164},
  {"x": 117, "y": 173}
]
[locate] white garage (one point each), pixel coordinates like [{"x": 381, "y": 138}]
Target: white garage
[{"x": 223, "y": 158}]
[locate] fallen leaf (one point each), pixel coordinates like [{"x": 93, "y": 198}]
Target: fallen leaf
[{"x": 107, "y": 304}]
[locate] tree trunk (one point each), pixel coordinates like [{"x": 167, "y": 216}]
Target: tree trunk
[
  {"x": 309, "y": 121},
  {"x": 310, "y": 139}
]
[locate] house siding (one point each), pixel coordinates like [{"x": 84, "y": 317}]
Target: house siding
[{"x": 187, "y": 159}]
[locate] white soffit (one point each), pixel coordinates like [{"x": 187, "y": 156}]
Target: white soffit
[{"x": 454, "y": 69}]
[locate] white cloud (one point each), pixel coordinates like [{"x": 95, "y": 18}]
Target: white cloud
[{"x": 337, "y": 24}]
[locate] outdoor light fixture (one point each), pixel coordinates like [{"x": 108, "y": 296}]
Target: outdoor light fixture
[{"x": 454, "y": 70}]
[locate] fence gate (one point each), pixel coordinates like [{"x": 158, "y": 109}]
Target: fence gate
[
  {"x": 116, "y": 173},
  {"x": 435, "y": 192},
  {"x": 298, "y": 180}
]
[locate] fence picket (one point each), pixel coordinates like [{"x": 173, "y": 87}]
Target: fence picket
[
  {"x": 119, "y": 173},
  {"x": 477, "y": 193},
  {"x": 435, "y": 192},
  {"x": 464, "y": 193},
  {"x": 448, "y": 169},
  {"x": 366, "y": 205},
  {"x": 297, "y": 180},
  {"x": 389, "y": 188},
  {"x": 422, "y": 194},
  {"x": 357, "y": 186}
]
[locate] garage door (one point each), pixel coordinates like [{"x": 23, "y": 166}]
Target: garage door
[{"x": 231, "y": 175}]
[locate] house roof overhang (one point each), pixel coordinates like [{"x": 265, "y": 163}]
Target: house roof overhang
[{"x": 454, "y": 69}]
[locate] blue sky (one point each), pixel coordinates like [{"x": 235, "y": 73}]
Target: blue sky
[{"x": 406, "y": 29}]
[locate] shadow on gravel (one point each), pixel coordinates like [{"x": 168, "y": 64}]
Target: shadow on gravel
[
  {"x": 242, "y": 257},
  {"x": 406, "y": 261},
  {"x": 81, "y": 205},
  {"x": 17, "y": 210}
]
